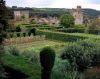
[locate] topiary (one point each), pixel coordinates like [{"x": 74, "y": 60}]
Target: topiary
[
  {"x": 18, "y": 29},
  {"x": 47, "y": 58}
]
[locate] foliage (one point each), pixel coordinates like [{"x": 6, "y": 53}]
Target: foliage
[
  {"x": 18, "y": 29},
  {"x": 31, "y": 56},
  {"x": 66, "y": 37},
  {"x": 95, "y": 24},
  {"x": 71, "y": 30},
  {"x": 82, "y": 55},
  {"x": 91, "y": 12},
  {"x": 67, "y": 20},
  {"x": 32, "y": 31},
  {"x": 63, "y": 69},
  {"x": 3, "y": 27},
  {"x": 47, "y": 58},
  {"x": 14, "y": 51},
  {"x": 79, "y": 26}
]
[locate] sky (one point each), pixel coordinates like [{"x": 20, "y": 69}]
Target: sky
[{"x": 94, "y": 4}]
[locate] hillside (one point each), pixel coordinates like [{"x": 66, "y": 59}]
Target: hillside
[
  {"x": 59, "y": 11},
  {"x": 91, "y": 12}
]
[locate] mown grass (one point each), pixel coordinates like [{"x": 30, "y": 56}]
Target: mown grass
[{"x": 24, "y": 65}]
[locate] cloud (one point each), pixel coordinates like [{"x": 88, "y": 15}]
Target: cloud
[
  {"x": 30, "y": 3},
  {"x": 95, "y": 4},
  {"x": 94, "y": 1}
]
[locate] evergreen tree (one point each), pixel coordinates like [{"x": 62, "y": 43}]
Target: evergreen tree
[{"x": 3, "y": 27}]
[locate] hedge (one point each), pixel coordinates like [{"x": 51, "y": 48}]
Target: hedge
[
  {"x": 78, "y": 30},
  {"x": 71, "y": 30},
  {"x": 94, "y": 31},
  {"x": 61, "y": 36}
]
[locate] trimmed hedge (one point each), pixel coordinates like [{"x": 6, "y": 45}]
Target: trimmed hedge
[
  {"x": 17, "y": 34},
  {"x": 61, "y": 36},
  {"x": 94, "y": 31},
  {"x": 71, "y": 30},
  {"x": 78, "y": 30},
  {"x": 66, "y": 37}
]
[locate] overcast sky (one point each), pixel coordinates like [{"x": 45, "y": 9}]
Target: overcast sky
[{"x": 94, "y": 4}]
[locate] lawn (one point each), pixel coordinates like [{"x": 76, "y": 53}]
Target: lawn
[{"x": 24, "y": 65}]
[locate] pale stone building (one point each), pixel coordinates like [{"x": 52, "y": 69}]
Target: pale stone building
[
  {"x": 78, "y": 15},
  {"x": 21, "y": 15}
]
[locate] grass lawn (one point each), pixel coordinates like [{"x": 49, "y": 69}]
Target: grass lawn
[
  {"x": 21, "y": 64},
  {"x": 33, "y": 70}
]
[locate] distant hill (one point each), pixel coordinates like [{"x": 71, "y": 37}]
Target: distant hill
[
  {"x": 91, "y": 12},
  {"x": 59, "y": 11}
]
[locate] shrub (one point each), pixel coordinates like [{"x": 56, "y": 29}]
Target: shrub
[
  {"x": 64, "y": 70},
  {"x": 18, "y": 34},
  {"x": 18, "y": 29},
  {"x": 14, "y": 51},
  {"x": 11, "y": 35},
  {"x": 24, "y": 34},
  {"x": 71, "y": 30},
  {"x": 82, "y": 53},
  {"x": 94, "y": 31},
  {"x": 61, "y": 36},
  {"x": 31, "y": 56},
  {"x": 47, "y": 58}
]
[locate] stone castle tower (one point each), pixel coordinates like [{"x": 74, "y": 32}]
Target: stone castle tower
[
  {"x": 78, "y": 15},
  {"x": 20, "y": 14}
]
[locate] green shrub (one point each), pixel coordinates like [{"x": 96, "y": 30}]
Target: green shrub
[
  {"x": 63, "y": 70},
  {"x": 18, "y": 34},
  {"x": 11, "y": 35},
  {"x": 71, "y": 30},
  {"x": 82, "y": 53},
  {"x": 24, "y": 34},
  {"x": 31, "y": 56},
  {"x": 14, "y": 51},
  {"x": 94, "y": 31},
  {"x": 18, "y": 29},
  {"x": 61, "y": 36},
  {"x": 47, "y": 58}
]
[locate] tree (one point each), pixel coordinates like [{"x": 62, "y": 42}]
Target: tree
[
  {"x": 47, "y": 58},
  {"x": 95, "y": 24},
  {"x": 67, "y": 20},
  {"x": 3, "y": 27}
]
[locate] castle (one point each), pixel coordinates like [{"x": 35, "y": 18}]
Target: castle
[
  {"x": 78, "y": 15},
  {"x": 24, "y": 14},
  {"x": 21, "y": 14}
]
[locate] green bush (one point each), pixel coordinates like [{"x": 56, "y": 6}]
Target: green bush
[
  {"x": 61, "y": 36},
  {"x": 84, "y": 53},
  {"x": 71, "y": 30},
  {"x": 47, "y": 58},
  {"x": 14, "y": 51},
  {"x": 18, "y": 34},
  {"x": 94, "y": 31},
  {"x": 18, "y": 29},
  {"x": 31, "y": 56},
  {"x": 11, "y": 35},
  {"x": 63, "y": 70}
]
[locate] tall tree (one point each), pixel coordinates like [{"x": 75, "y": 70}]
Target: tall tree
[
  {"x": 67, "y": 20},
  {"x": 3, "y": 26}
]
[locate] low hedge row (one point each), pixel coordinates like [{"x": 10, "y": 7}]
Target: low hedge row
[
  {"x": 18, "y": 34},
  {"x": 61, "y": 36},
  {"x": 71, "y": 30},
  {"x": 78, "y": 30},
  {"x": 94, "y": 31}
]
